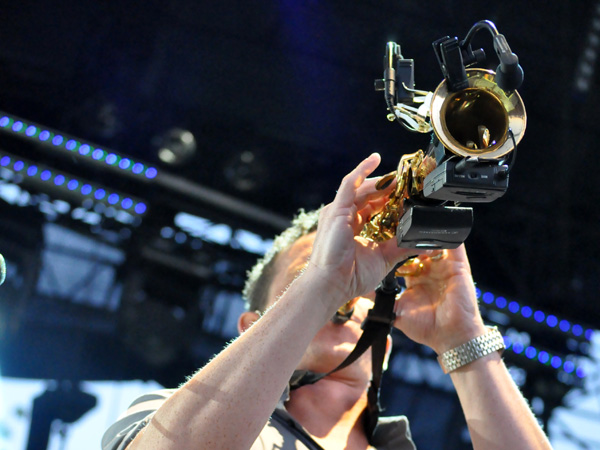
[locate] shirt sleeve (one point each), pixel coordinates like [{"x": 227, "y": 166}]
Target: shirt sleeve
[{"x": 120, "y": 434}]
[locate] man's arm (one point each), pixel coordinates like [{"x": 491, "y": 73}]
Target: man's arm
[
  {"x": 228, "y": 402},
  {"x": 439, "y": 309}
]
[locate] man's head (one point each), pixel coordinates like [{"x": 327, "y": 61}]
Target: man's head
[
  {"x": 260, "y": 277},
  {"x": 270, "y": 277}
]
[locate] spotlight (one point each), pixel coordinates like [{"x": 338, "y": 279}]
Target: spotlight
[
  {"x": 176, "y": 146},
  {"x": 245, "y": 171}
]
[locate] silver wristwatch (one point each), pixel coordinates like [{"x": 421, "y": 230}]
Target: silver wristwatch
[{"x": 470, "y": 351}]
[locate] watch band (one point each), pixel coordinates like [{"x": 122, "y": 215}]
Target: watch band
[{"x": 470, "y": 351}]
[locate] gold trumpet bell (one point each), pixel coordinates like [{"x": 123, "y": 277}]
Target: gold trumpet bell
[{"x": 475, "y": 122}]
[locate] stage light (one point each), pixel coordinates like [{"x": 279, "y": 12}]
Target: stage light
[
  {"x": 501, "y": 302},
  {"x": 530, "y": 352},
  {"x": 71, "y": 184},
  {"x": 513, "y": 307},
  {"x": 564, "y": 325},
  {"x": 14, "y": 125},
  {"x": 176, "y": 146},
  {"x": 111, "y": 159},
  {"x": 556, "y": 362}
]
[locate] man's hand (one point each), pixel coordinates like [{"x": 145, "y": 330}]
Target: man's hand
[
  {"x": 352, "y": 264},
  {"x": 439, "y": 307}
]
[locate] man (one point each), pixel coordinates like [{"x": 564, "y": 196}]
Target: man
[{"x": 229, "y": 402}]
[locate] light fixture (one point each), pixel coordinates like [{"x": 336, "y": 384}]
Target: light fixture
[{"x": 176, "y": 146}]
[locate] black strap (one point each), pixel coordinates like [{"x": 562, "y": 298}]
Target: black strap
[{"x": 376, "y": 327}]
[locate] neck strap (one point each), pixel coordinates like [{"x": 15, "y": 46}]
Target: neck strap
[{"x": 376, "y": 327}]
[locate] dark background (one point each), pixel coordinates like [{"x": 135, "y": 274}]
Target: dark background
[{"x": 279, "y": 97}]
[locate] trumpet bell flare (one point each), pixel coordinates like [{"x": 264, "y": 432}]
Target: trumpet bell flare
[{"x": 474, "y": 122}]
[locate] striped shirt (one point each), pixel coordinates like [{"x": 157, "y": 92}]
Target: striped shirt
[{"x": 281, "y": 432}]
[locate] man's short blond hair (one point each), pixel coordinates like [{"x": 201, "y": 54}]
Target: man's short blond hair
[{"x": 260, "y": 277}]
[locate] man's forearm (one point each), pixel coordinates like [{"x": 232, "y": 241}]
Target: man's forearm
[
  {"x": 228, "y": 402},
  {"x": 497, "y": 415}
]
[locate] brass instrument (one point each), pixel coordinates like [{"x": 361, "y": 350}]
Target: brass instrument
[{"x": 476, "y": 119}]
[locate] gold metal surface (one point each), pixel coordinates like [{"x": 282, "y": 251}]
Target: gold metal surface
[
  {"x": 460, "y": 119},
  {"x": 473, "y": 122}
]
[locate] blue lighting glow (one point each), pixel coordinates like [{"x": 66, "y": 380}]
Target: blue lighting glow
[
  {"x": 127, "y": 203},
  {"x": 72, "y": 144},
  {"x": 45, "y": 175},
  {"x": 113, "y": 198},
  {"x": 59, "y": 180},
  {"x": 32, "y": 170},
  {"x": 518, "y": 347},
  {"x": 140, "y": 208},
  {"x": 72, "y": 185},
  {"x": 539, "y": 316},
  {"x": 551, "y": 320},
  {"x": 111, "y": 159},
  {"x": 589, "y": 334},
  {"x": 543, "y": 357},
  {"x": 580, "y": 372},
  {"x": 5, "y": 161},
  {"x": 86, "y": 189},
  {"x": 488, "y": 297},
  {"x": 99, "y": 194},
  {"x": 564, "y": 325},
  {"x": 19, "y": 166},
  {"x": 151, "y": 172},
  {"x": 530, "y": 352},
  {"x": 526, "y": 311},
  {"x": 556, "y": 362},
  {"x": 501, "y": 302},
  {"x": 513, "y": 307},
  {"x": 507, "y": 341},
  {"x": 577, "y": 330},
  {"x": 569, "y": 366}
]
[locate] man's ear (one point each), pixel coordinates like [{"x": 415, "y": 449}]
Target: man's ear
[{"x": 246, "y": 319}]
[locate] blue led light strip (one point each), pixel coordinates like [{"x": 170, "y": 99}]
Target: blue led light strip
[
  {"x": 70, "y": 184},
  {"x": 86, "y": 150},
  {"x": 561, "y": 363},
  {"x": 550, "y": 320}
]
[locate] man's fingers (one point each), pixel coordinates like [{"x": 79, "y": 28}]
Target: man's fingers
[{"x": 346, "y": 194}]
